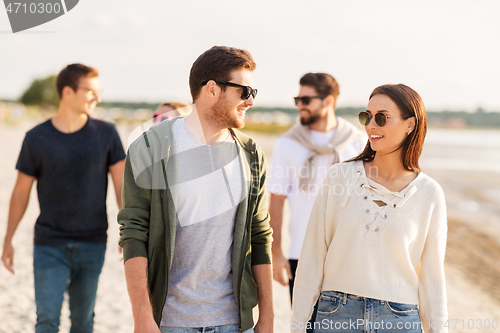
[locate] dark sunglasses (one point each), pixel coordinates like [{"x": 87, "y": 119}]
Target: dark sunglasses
[
  {"x": 380, "y": 118},
  {"x": 245, "y": 93},
  {"x": 306, "y": 99}
]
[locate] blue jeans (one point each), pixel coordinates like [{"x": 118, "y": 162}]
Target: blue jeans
[
  {"x": 211, "y": 329},
  {"x": 340, "y": 312},
  {"x": 74, "y": 267}
]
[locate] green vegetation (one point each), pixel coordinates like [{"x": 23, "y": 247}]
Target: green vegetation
[
  {"x": 41, "y": 92},
  {"x": 464, "y": 119},
  {"x": 266, "y": 128},
  {"x": 129, "y": 105},
  {"x": 343, "y": 111}
]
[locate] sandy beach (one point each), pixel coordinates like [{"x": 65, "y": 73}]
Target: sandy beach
[{"x": 472, "y": 260}]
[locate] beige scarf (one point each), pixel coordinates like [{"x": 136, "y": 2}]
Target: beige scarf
[{"x": 345, "y": 134}]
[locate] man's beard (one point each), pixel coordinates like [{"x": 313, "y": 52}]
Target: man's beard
[
  {"x": 224, "y": 115},
  {"x": 311, "y": 120}
]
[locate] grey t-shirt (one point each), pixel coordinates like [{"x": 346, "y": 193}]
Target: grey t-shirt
[{"x": 209, "y": 188}]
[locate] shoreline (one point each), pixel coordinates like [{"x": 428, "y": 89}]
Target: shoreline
[{"x": 475, "y": 254}]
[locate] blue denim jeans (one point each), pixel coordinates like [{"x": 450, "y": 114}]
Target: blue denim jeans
[
  {"x": 340, "y": 312},
  {"x": 74, "y": 267},
  {"x": 211, "y": 329}
]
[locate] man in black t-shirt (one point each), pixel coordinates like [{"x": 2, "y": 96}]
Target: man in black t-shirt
[{"x": 70, "y": 157}]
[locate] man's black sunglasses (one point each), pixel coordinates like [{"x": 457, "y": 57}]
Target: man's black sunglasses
[
  {"x": 380, "y": 118},
  {"x": 306, "y": 99},
  {"x": 246, "y": 90}
]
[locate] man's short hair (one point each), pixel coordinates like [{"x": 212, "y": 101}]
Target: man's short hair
[
  {"x": 70, "y": 76},
  {"x": 323, "y": 83},
  {"x": 217, "y": 63}
]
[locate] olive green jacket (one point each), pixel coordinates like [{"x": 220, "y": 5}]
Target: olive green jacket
[{"x": 148, "y": 217}]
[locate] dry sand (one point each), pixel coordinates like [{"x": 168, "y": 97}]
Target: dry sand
[{"x": 472, "y": 262}]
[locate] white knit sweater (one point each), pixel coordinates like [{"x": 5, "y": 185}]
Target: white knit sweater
[{"x": 397, "y": 257}]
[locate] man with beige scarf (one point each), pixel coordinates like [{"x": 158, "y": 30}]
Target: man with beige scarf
[{"x": 300, "y": 160}]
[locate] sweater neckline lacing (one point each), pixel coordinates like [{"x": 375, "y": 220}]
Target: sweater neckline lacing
[
  {"x": 391, "y": 199},
  {"x": 376, "y": 217}
]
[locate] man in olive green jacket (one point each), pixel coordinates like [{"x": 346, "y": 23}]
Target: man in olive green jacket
[{"x": 194, "y": 227}]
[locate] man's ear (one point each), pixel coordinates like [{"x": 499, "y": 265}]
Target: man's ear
[
  {"x": 67, "y": 92},
  {"x": 211, "y": 89},
  {"x": 330, "y": 100}
]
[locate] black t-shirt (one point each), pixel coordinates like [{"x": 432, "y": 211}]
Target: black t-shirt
[{"x": 72, "y": 179}]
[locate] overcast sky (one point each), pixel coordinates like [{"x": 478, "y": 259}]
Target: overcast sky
[{"x": 448, "y": 51}]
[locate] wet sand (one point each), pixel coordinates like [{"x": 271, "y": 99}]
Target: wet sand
[{"x": 472, "y": 261}]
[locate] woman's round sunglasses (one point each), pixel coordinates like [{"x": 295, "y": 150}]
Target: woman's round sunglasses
[
  {"x": 246, "y": 90},
  {"x": 380, "y": 118}
]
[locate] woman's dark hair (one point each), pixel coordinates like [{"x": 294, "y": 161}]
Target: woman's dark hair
[{"x": 410, "y": 105}]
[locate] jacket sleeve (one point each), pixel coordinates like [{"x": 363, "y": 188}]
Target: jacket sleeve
[
  {"x": 261, "y": 229},
  {"x": 134, "y": 217},
  {"x": 432, "y": 285}
]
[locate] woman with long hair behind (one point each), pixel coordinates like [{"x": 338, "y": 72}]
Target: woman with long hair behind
[{"x": 373, "y": 254}]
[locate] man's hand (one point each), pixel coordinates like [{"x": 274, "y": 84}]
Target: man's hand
[
  {"x": 146, "y": 326},
  {"x": 8, "y": 256},
  {"x": 281, "y": 268},
  {"x": 280, "y": 263},
  {"x": 264, "y": 326},
  {"x": 137, "y": 285},
  {"x": 263, "y": 277},
  {"x": 18, "y": 204}
]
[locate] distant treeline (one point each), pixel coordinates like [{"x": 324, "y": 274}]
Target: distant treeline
[
  {"x": 458, "y": 119},
  {"x": 41, "y": 92},
  {"x": 444, "y": 118}
]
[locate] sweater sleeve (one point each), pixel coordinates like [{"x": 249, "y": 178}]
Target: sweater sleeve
[
  {"x": 432, "y": 284},
  {"x": 310, "y": 270}
]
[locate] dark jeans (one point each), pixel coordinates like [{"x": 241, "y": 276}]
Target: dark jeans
[
  {"x": 74, "y": 267},
  {"x": 293, "y": 268}
]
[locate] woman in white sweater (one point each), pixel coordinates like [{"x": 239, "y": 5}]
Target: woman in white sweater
[{"x": 374, "y": 247}]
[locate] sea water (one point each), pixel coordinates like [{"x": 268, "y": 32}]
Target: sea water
[{"x": 461, "y": 149}]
